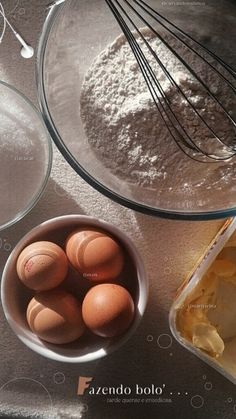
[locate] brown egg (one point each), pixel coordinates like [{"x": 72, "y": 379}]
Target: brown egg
[
  {"x": 42, "y": 266},
  {"x": 55, "y": 316},
  {"x": 97, "y": 256},
  {"x": 108, "y": 310}
]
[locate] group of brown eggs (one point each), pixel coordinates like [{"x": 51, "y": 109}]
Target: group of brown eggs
[{"x": 56, "y": 315}]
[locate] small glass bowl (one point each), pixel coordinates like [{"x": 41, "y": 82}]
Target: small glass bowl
[{"x": 25, "y": 155}]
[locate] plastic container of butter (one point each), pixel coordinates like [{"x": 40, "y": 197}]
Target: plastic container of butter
[{"x": 203, "y": 315}]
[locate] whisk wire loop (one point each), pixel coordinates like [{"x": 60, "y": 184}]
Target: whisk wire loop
[
  {"x": 161, "y": 100},
  {"x": 189, "y": 141},
  {"x": 149, "y": 77},
  {"x": 154, "y": 13}
]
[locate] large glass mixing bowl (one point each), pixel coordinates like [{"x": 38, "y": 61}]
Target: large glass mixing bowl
[{"x": 73, "y": 35}]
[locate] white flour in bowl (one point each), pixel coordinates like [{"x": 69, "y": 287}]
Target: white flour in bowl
[{"x": 124, "y": 127}]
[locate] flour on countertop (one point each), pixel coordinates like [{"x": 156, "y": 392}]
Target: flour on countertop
[{"x": 124, "y": 127}]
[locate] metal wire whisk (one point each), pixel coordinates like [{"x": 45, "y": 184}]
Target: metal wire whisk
[{"x": 215, "y": 147}]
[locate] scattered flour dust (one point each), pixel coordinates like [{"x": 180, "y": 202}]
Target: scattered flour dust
[{"x": 124, "y": 127}]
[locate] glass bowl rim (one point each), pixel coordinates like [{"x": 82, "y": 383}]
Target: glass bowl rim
[
  {"x": 35, "y": 198},
  {"x": 48, "y": 25}
]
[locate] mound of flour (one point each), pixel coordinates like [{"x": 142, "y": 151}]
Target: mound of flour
[{"x": 124, "y": 127}]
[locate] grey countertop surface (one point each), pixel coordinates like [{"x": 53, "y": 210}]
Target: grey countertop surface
[{"x": 32, "y": 386}]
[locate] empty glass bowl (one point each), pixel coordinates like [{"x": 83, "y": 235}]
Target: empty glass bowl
[
  {"x": 25, "y": 155},
  {"x": 73, "y": 36}
]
